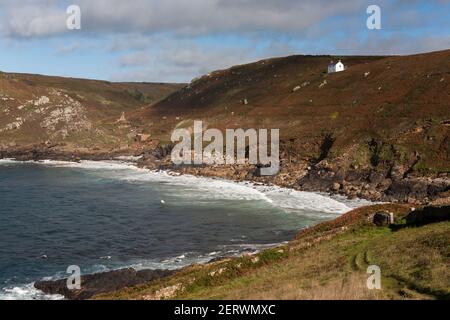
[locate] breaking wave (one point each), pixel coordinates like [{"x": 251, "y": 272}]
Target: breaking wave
[{"x": 204, "y": 188}]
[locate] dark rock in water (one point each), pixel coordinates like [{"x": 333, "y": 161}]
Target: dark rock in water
[
  {"x": 94, "y": 284},
  {"x": 383, "y": 219},
  {"x": 428, "y": 215}
]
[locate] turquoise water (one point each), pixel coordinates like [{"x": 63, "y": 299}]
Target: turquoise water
[{"x": 102, "y": 216}]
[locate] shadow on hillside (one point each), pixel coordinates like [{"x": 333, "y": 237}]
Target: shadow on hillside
[{"x": 423, "y": 217}]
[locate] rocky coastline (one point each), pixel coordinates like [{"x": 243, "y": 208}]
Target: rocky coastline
[
  {"x": 99, "y": 283},
  {"x": 394, "y": 186},
  {"x": 96, "y": 285},
  {"x": 395, "y": 183}
]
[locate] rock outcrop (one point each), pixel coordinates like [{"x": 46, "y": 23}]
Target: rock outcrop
[
  {"x": 428, "y": 215},
  {"x": 383, "y": 218},
  {"x": 94, "y": 284}
]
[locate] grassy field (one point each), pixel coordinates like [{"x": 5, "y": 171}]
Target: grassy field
[{"x": 328, "y": 261}]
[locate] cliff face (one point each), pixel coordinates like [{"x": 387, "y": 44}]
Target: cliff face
[
  {"x": 378, "y": 130},
  {"x": 84, "y": 113}
]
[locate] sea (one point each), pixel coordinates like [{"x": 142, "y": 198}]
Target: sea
[{"x": 102, "y": 216}]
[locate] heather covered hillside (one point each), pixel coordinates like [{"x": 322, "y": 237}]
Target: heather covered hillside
[{"x": 381, "y": 111}]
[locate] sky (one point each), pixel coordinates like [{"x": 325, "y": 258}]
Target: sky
[{"x": 178, "y": 40}]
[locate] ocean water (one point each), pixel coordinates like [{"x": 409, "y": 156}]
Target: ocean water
[{"x": 108, "y": 215}]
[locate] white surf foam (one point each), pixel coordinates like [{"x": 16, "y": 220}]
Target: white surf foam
[
  {"x": 289, "y": 200},
  {"x": 207, "y": 189},
  {"x": 190, "y": 258},
  {"x": 7, "y": 161},
  {"x": 26, "y": 292},
  {"x": 315, "y": 205},
  {"x": 171, "y": 263},
  {"x": 90, "y": 165},
  {"x": 29, "y": 292},
  {"x": 128, "y": 158}
]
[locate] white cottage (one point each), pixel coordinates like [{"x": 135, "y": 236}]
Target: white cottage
[{"x": 336, "y": 67}]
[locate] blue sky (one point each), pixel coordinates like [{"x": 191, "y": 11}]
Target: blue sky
[{"x": 177, "y": 40}]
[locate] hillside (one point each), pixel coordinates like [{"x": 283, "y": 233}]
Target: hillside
[
  {"x": 398, "y": 101},
  {"x": 36, "y": 109},
  {"x": 383, "y": 120},
  {"x": 379, "y": 130}
]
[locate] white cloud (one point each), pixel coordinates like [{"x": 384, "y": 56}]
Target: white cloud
[
  {"x": 39, "y": 18},
  {"x": 175, "y": 40},
  {"x": 177, "y": 61},
  {"x": 397, "y": 44},
  {"x": 31, "y": 18},
  {"x": 198, "y": 17},
  {"x": 45, "y": 17},
  {"x": 180, "y": 60}
]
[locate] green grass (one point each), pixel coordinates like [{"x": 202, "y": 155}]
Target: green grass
[{"x": 325, "y": 263}]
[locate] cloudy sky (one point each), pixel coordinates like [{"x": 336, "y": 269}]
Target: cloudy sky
[{"x": 176, "y": 40}]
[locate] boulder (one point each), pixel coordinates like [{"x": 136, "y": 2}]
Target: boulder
[
  {"x": 382, "y": 218},
  {"x": 336, "y": 186}
]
